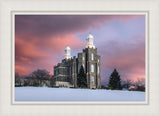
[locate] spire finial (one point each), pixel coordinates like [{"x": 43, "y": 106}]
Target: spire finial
[
  {"x": 90, "y": 39},
  {"x": 67, "y": 53}
]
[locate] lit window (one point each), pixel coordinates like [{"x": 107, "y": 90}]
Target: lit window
[
  {"x": 56, "y": 72},
  {"x": 98, "y": 60},
  {"x": 83, "y": 65},
  {"x": 98, "y": 69},
  {"x": 99, "y": 81},
  {"x": 72, "y": 68},
  {"x": 92, "y": 56},
  {"x": 79, "y": 66},
  {"x": 83, "y": 58},
  {"x": 92, "y": 68},
  {"x": 92, "y": 80}
]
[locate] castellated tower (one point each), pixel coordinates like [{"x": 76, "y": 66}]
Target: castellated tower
[{"x": 65, "y": 73}]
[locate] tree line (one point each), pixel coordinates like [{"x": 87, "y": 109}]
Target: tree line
[
  {"x": 115, "y": 82},
  {"x": 41, "y": 77}
]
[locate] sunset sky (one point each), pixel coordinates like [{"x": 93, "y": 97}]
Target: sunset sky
[{"x": 40, "y": 41}]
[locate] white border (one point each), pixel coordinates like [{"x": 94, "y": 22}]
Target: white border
[
  {"x": 6, "y": 107},
  {"x": 79, "y": 13}
]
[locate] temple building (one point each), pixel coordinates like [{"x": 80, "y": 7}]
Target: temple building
[{"x": 66, "y": 72}]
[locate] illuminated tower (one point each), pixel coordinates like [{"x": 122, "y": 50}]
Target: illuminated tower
[
  {"x": 90, "y": 39},
  {"x": 67, "y": 53}
]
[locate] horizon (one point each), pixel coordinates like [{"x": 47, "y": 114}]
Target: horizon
[{"x": 40, "y": 41}]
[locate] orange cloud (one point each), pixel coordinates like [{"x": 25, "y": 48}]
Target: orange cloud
[
  {"x": 21, "y": 69},
  {"x": 27, "y": 49},
  {"x": 59, "y": 43},
  {"x": 41, "y": 54}
]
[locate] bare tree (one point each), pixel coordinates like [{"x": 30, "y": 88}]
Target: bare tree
[
  {"x": 16, "y": 76},
  {"x": 127, "y": 83},
  {"x": 17, "y": 79},
  {"x": 140, "y": 84},
  {"x": 41, "y": 74}
]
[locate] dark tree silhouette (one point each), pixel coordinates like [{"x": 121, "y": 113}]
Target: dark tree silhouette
[
  {"x": 41, "y": 74},
  {"x": 127, "y": 83},
  {"x": 115, "y": 81},
  {"x": 17, "y": 79},
  {"x": 82, "y": 80},
  {"x": 140, "y": 84},
  {"x": 16, "y": 76}
]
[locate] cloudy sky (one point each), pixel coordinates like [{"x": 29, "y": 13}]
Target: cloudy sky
[{"x": 40, "y": 41}]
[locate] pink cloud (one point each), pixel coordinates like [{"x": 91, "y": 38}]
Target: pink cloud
[
  {"x": 41, "y": 54},
  {"x": 28, "y": 49},
  {"x": 58, "y": 43}
]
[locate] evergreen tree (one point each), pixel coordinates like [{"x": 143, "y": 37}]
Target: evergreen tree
[
  {"x": 115, "y": 81},
  {"x": 82, "y": 80}
]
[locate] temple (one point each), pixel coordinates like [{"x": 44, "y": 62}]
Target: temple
[{"x": 66, "y": 72}]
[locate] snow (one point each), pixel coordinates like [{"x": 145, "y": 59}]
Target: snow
[{"x": 74, "y": 94}]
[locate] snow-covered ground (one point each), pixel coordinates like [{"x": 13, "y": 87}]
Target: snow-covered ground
[{"x": 71, "y": 94}]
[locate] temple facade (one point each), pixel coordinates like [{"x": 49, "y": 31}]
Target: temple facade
[{"x": 66, "y": 72}]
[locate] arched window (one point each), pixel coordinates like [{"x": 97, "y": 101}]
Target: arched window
[
  {"x": 79, "y": 66},
  {"x": 83, "y": 58},
  {"x": 99, "y": 81},
  {"x": 56, "y": 72},
  {"x": 92, "y": 80},
  {"x": 72, "y": 68},
  {"x": 83, "y": 65},
  {"x": 98, "y": 70},
  {"x": 92, "y": 56},
  {"x": 92, "y": 68}
]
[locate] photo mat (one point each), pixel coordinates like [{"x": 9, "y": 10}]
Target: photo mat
[{"x": 75, "y": 14}]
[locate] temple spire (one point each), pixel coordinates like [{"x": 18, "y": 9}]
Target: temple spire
[
  {"x": 90, "y": 39},
  {"x": 67, "y": 53}
]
